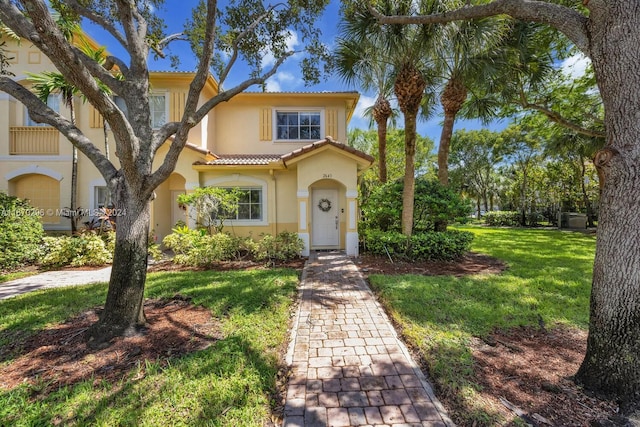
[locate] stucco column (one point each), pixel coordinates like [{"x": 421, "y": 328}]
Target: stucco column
[
  {"x": 303, "y": 221},
  {"x": 352, "y": 243}
]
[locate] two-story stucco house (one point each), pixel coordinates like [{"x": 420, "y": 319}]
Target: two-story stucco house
[{"x": 273, "y": 146}]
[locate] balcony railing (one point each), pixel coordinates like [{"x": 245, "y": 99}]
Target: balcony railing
[{"x": 34, "y": 140}]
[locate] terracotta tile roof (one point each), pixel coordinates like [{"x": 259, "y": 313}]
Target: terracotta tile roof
[
  {"x": 327, "y": 141},
  {"x": 266, "y": 159},
  {"x": 244, "y": 159}
]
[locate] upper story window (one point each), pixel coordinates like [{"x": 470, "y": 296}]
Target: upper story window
[
  {"x": 298, "y": 125},
  {"x": 157, "y": 107},
  {"x": 53, "y": 102}
]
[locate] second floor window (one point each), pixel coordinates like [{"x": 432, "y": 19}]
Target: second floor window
[
  {"x": 298, "y": 125},
  {"x": 53, "y": 102},
  {"x": 157, "y": 107}
]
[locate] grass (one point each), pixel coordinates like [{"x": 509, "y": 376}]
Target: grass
[
  {"x": 548, "y": 278},
  {"x": 5, "y": 277},
  {"x": 228, "y": 384}
]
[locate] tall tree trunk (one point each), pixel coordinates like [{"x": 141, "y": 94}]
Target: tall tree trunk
[
  {"x": 452, "y": 99},
  {"x": 585, "y": 195},
  {"x": 445, "y": 147},
  {"x": 123, "y": 312},
  {"x": 74, "y": 190},
  {"x": 408, "y": 191},
  {"x": 612, "y": 361},
  {"x": 74, "y": 172},
  {"x": 382, "y": 150},
  {"x": 381, "y": 113}
]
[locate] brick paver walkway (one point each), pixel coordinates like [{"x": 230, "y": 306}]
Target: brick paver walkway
[{"x": 348, "y": 366}]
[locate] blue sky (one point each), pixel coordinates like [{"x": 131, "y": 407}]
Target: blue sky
[{"x": 288, "y": 76}]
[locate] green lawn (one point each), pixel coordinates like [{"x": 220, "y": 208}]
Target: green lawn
[
  {"x": 5, "y": 277},
  {"x": 228, "y": 384},
  {"x": 549, "y": 277}
]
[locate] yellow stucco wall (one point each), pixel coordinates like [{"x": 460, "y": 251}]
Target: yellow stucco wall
[{"x": 241, "y": 118}]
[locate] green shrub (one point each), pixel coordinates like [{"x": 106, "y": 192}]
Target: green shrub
[
  {"x": 284, "y": 246},
  {"x": 378, "y": 242},
  {"x": 445, "y": 246},
  {"x": 20, "y": 232},
  {"x": 433, "y": 203},
  {"x": 424, "y": 246},
  {"x": 197, "y": 248},
  {"x": 502, "y": 218},
  {"x": 86, "y": 249}
]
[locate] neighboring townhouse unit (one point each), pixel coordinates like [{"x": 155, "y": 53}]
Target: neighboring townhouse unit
[{"x": 274, "y": 147}]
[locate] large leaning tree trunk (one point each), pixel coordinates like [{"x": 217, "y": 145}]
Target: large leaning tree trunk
[
  {"x": 609, "y": 34},
  {"x": 452, "y": 99},
  {"x": 612, "y": 361},
  {"x": 381, "y": 113},
  {"x": 409, "y": 89}
]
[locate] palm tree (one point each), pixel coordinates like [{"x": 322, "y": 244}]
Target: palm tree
[
  {"x": 465, "y": 52},
  {"x": 361, "y": 61},
  {"x": 48, "y": 83},
  {"x": 402, "y": 48}
]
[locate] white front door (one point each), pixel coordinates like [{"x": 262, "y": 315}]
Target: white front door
[{"x": 325, "y": 219}]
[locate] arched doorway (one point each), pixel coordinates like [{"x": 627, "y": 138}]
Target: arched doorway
[{"x": 43, "y": 193}]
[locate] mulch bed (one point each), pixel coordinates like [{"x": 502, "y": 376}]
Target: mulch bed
[{"x": 58, "y": 356}]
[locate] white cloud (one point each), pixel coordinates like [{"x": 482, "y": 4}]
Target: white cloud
[
  {"x": 273, "y": 85},
  {"x": 575, "y": 65},
  {"x": 363, "y": 103},
  {"x": 292, "y": 41},
  {"x": 283, "y": 80}
]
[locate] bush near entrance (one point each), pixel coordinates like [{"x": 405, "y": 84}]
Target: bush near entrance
[{"x": 20, "y": 232}]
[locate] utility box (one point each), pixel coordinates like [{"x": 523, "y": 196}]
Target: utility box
[{"x": 574, "y": 220}]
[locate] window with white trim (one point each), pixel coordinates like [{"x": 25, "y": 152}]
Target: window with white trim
[
  {"x": 250, "y": 206},
  {"x": 53, "y": 102},
  {"x": 101, "y": 197},
  {"x": 298, "y": 125},
  {"x": 157, "y": 107}
]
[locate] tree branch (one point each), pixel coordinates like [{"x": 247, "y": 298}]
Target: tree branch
[
  {"x": 559, "y": 119},
  {"x": 188, "y": 120},
  {"x": 162, "y": 44},
  {"x": 41, "y": 113},
  {"x": 568, "y": 21},
  {"x": 98, "y": 19},
  {"x": 249, "y": 30},
  {"x": 137, "y": 48}
]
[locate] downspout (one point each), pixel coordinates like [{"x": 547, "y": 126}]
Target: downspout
[{"x": 275, "y": 202}]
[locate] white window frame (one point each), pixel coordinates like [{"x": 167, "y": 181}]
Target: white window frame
[
  {"x": 248, "y": 188},
  {"x": 30, "y": 123},
  {"x": 93, "y": 185},
  {"x": 298, "y": 110},
  {"x": 248, "y": 182},
  {"x": 166, "y": 108},
  {"x": 152, "y": 94}
]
